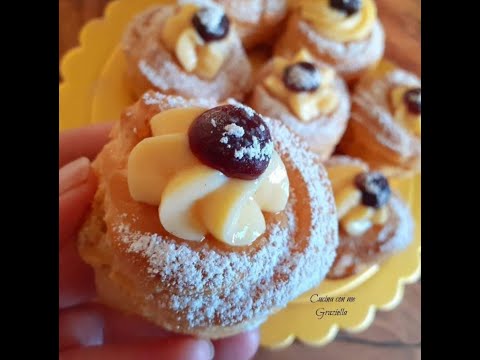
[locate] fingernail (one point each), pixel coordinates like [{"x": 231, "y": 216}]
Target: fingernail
[
  {"x": 80, "y": 327},
  {"x": 207, "y": 349},
  {"x": 73, "y": 174}
]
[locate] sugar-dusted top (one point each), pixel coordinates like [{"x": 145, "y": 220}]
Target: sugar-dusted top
[
  {"x": 293, "y": 255},
  {"x": 372, "y": 109}
]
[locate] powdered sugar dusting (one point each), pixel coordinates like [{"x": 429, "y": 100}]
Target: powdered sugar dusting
[
  {"x": 292, "y": 202},
  {"x": 396, "y": 235},
  {"x": 211, "y": 18},
  {"x": 373, "y": 101},
  {"x": 169, "y": 101},
  {"x": 249, "y": 12},
  {"x": 275, "y": 6},
  {"x": 323, "y": 133},
  {"x": 247, "y": 109},
  {"x": 341, "y": 160},
  {"x": 234, "y": 130},
  {"x": 255, "y": 151},
  {"x": 399, "y": 76},
  {"x": 231, "y": 130},
  {"x": 304, "y": 78},
  {"x": 351, "y": 56},
  {"x": 160, "y": 68},
  {"x": 212, "y": 286},
  {"x": 371, "y": 182},
  {"x": 252, "y": 11},
  {"x": 176, "y": 263}
]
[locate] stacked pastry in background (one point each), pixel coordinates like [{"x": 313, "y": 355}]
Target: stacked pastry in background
[{"x": 323, "y": 104}]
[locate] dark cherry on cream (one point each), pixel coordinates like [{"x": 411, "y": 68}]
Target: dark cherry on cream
[
  {"x": 232, "y": 139},
  {"x": 211, "y": 23},
  {"x": 302, "y": 76},
  {"x": 349, "y": 7},
  {"x": 413, "y": 100},
  {"x": 374, "y": 187}
]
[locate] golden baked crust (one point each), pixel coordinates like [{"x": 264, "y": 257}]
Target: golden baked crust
[
  {"x": 151, "y": 66},
  {"x": 323, "y": 133},
  {"x": 372, "y": 133},
  {"x": 355, "y": 253},
  {"x": 350, "y": 59},
  {"x": 209, "y": 288}
]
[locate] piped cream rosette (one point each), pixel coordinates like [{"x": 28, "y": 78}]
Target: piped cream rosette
[
  {"x": 307, "y": 105},
  {"x": 194, "y": 53},
  {"x": 195, "y": 199},
  {"x": 354, "y": 217},
  {"x": 338, "y": 25}
]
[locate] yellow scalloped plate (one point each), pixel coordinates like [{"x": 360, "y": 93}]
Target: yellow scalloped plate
[{"x": 94, "y": 90}]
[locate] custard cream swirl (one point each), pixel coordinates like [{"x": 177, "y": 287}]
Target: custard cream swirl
[
  {"x": 306, "y": 106},
  {"x": 195, "y": 199},
  {"x": 191, "y": 51},
  {"x": 354, "y": 217},
  {"x": 336, "y": 25}
]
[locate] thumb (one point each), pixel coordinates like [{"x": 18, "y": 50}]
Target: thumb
[{"x": 77, "y": 186}]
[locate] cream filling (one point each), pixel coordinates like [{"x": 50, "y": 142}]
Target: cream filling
[
  {"x": 194, "y": 199},
  {"x": 354, "y": 218},
  {"x": 305, "y": 105},
  {"x": 335, "y": 24},
  {"x": 194, "y": 54}
]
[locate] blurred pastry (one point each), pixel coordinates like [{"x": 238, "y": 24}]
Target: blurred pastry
[
  {"x": 257, "y": 21},
  {"x": 346, "y": 34},
  {"x": 187, "y": 49},
  {"x": 306, "y": 95},
  {"x": 374, "y": 223},
  {"x": 385, "y": 124}
]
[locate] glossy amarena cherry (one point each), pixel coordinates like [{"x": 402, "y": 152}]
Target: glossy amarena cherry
[
  {"x": 211, "y": 23},
  {"x": 413, "y": 100},
  {"x": 349, "y": 7},
  {"x": 302, "y": 76},
  {"x": 374, "y": 187},
  {"x": 232, "y": 139}
]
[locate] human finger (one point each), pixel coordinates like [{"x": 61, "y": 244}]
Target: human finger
[{"x": 86, "y": 141}]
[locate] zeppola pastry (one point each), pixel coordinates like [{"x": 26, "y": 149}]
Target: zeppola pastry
[
  {"x": 257, "y": 21},
  {"x": 188, "y": 49},
  {"x": 307, "y": 96},
  {"x": 373, "y": 222},
  {"x": 208, "y": 218},
  {"x": 385, "y": 124},
  {"x": 343, "y": 33}
]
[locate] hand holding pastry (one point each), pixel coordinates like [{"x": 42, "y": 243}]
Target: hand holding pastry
[
  {"x": 307, "y": 96},
  {"x": 344, "y": 34},
  {"x": 207, "y": 218},
  {"x": 385, "y": 125},
  {"x": 190, "y": 49},
  {"x": 87, "y": 329},
  {"x": 200, "y": 217},
  {"x": 373, "y": 222}
]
